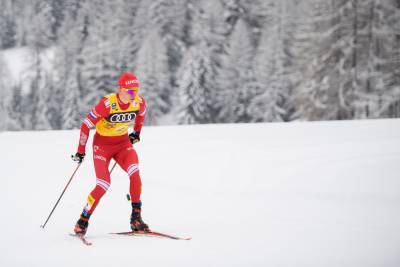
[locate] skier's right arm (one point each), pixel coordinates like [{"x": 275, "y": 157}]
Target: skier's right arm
[{"x": 101, "y": 110}]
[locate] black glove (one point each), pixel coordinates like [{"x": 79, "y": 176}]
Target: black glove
[
  {"x": 78, "y": 157},
  {"x": 134, "y": 137}
]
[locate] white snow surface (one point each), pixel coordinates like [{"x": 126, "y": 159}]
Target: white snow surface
[{"x": 281, "y": 194}]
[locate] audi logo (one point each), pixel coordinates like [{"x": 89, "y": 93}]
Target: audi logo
[{"x": 122, "y": 117}]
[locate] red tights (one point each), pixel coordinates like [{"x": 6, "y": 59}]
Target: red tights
[{"x": 126, "y": 157}]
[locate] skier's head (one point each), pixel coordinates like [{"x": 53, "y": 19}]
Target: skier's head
[{"x": 128, "y": 85}]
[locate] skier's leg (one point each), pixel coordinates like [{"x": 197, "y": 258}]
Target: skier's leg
[
  {"x": 101, "y": 158},
  {"x": 128, "y": 160}
]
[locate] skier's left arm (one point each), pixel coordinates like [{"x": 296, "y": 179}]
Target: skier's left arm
[{"x": 135, "y": 136}]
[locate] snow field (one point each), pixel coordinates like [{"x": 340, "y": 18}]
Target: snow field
[{"x": 298, "y": 194}]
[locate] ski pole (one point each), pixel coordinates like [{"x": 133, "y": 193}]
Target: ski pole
[
  {"x": 115, "y": 164},
  {"x": 70, "y": 179},
  {"x": 127, "y": 195}
]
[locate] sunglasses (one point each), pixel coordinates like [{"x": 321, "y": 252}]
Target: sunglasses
[{"x": 131, "y": 91}]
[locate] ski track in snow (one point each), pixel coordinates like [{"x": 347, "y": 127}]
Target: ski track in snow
[{"x": 295, "y": 194}]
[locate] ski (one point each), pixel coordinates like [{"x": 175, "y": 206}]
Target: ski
[
  {"x": 82, "y": 238},
  {"x": 151, "y": 234}
]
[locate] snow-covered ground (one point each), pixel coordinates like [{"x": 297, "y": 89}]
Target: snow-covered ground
[{"x": 298, "y": 194}]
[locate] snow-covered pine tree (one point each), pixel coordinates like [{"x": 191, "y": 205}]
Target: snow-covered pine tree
[
  {"x": 366, "y": 39},
  {"x": 43, "y": 116},
  {"x": 170, "y": 18},
  {"x": 233, "y": 10},
  {"x": 28, "y": 107},
  {"x": 152, "y": 72},
  {"x": 100, "y": 66},
  {"x": 328, "y": 92},
  {"x": 3, "y": 109},
  {"x": 66, "y": 74},
  {"x": 41, "y": 85},
  {"x": 298, "y": 48},
  {"x": 11, "y": 99},
  {"x": 209, "y": 25},
  {"x": 66, "y": 97},
  {"x": 305, "y": 100},
  {"x": 19, "y": 12},
  {"x": 272, "y": 84},
  {"x": 14, "y": 110},
  {"x": 72, "y": 33},
  {"x": 387, "y": 58},
  {"x": 133, "y": 26},
  {"x": 70, "y": 111},
  {"x": 3, "y": 97},
  {"x": 7, "y": 25},
  {"x": 196, "y": 87},
  {"x": 127, "y": 39},
  {"x": 57, "y": 12},
  {"x": 39, "y": 33},
  {"x": 350, "y": 75},
  {"x": 236, "y": 79},
  {"x": 206, "y": 38}
]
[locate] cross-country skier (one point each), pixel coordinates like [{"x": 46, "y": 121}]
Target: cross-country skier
[{"x": 112, "y": 117}]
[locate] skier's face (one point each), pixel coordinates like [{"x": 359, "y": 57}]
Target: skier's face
[{"x": 129, "y": 93}]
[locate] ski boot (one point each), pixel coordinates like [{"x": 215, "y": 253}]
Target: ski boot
[
  {"x": 137, "y": 223},
  {"x": 82, "y": 224}
]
